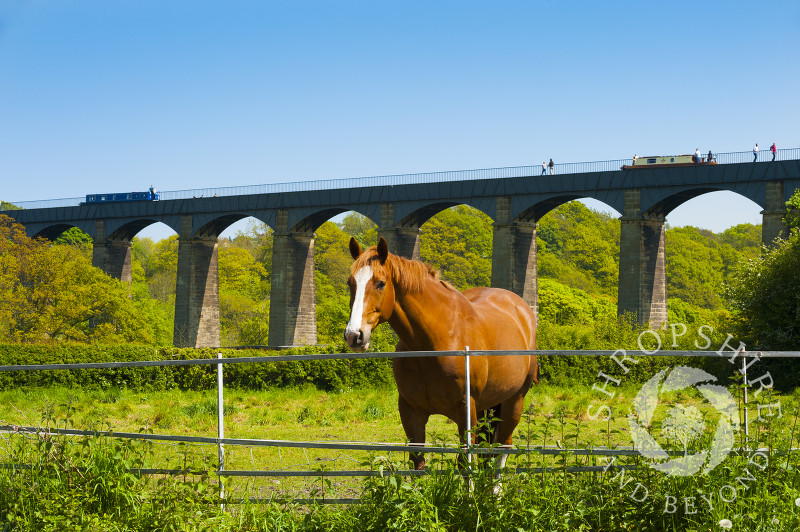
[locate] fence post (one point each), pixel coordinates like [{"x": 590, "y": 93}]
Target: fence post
[
  {"x": 746, "y": 416},
  {"x": 220, "y": 429},
  {"x": 469, "y": 407}
]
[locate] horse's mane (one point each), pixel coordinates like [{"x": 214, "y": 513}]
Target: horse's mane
[{"x": 408, "y": 275}]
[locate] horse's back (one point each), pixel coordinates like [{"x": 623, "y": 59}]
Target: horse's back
[{"x": 509, "y": 320}]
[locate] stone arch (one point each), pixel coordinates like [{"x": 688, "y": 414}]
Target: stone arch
[
  {"x": 52, "y": 232},
  {"x": 424, "y": 212},
  {"x": 533, "y": 212},
  {"x": 214, "y": 227},
  {"x": 723, "y": 207},
  {"x": 313, "y": 221},
  {"x": 400, "y": 224},
  {"x": 127, "y": 228},
  {"x": 661, "y": 203},
  {"x": 770, "y": 196}
]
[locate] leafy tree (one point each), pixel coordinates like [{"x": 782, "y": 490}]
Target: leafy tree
[
  {"x": 251, "y": 238},
  {"x": 239, "y": 272},
  {"x": 243, "y": 321},
  {"x": 458, "y": 243},
  {"x": 258, "y": 240},
  {"x": 564, "y": 305},
  {"x": 744, "y": 238},
  {"x": 700, "y": 262},
  {"x": 332, "y": 262},
  {"x": 694, "y": 266},
  {"x": 163, "y": 257},
  {"x": 160, "y": 317},
  {"x": 362, "y": 228},
  {"x": 333, "y": 310},
  {"x": 765, "y": 297},
  {"x": 74, "y": 237},
  {"x": 52, "y": 293},
  {"x": 792, "y": 218},
  {"x": 243, "y": 295},
  {"x": 159, "y": 262},
  {"x": 579, "y": 247},
  {"x": 332, "y": 257},
  {"x": 142, "y": 250}
]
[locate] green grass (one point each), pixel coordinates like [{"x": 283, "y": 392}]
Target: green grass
[{"x": 555, "y": 417}]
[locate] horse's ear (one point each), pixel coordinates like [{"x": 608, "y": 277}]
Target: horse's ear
[
  {"x": 383, "y": 250},
  {"x": 355, "y": 249}
]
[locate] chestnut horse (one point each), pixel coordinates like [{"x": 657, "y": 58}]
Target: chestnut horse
[{"x": 429, "y": 314}]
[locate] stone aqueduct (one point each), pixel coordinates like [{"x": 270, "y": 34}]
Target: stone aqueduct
[{"x": 399, "y": 207}]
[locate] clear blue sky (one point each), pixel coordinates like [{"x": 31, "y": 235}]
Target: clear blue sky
[{"x": 115, "y": 95}]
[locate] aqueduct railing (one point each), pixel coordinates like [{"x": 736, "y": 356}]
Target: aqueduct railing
[{"x": 409, "y": 179}]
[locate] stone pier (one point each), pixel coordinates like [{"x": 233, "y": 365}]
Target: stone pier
[
  {"x": 293, "y": 310},
  {"x": 772, "y": 225},
  {"x": 403, "y": 241},
  {"x": 111, "y": 256},
  {"x": 197, "y": 290},
  {"x": 514, "y": 255},
  {"x": 642, "y": 264}
]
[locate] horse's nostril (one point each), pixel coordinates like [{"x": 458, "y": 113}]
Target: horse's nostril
[{"x": 354, "y": 338}]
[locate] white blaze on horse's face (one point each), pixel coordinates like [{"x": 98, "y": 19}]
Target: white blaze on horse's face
[{"x": 357, "y": 336}]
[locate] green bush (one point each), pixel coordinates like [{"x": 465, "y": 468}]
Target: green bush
[
  {"x": 330, "y": 375},
  {"x": 323, "y": 374},
  {"x": 618, "y": 333}
]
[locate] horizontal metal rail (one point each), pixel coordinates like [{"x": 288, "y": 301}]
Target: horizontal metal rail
[
  {"x": 403, "y": 354},
  {"x": 351, "y": 473},
  {"x": 341, "y": 446},
  {"x": 411, "y": 179}
]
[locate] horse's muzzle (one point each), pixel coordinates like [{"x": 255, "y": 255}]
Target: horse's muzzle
[{"x": 356, "y": 339}]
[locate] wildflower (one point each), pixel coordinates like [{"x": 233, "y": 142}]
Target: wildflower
[
  {"x": 797, "y": 501},
  {"x": 726, "y": 524}
]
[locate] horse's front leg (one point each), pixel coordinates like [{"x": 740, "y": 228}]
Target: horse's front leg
[{"x": 414, "y": 421}]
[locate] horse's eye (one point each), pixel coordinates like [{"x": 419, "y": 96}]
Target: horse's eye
[{"x": 379, "y": 285}]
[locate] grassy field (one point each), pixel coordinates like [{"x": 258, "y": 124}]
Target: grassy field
[
  {"x": 559, "y": 417},
  {"x": 79, "y": 483}
]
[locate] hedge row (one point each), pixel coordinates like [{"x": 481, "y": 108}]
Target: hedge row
[
  {"x": 324, "y": 374},
  {"x": 329, "y": 375},
  {"x": 570, "y": 370},
  {"x": 585, "y": 370}
]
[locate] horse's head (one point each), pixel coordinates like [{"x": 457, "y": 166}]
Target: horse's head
[{"x": 371, "y": 293}]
